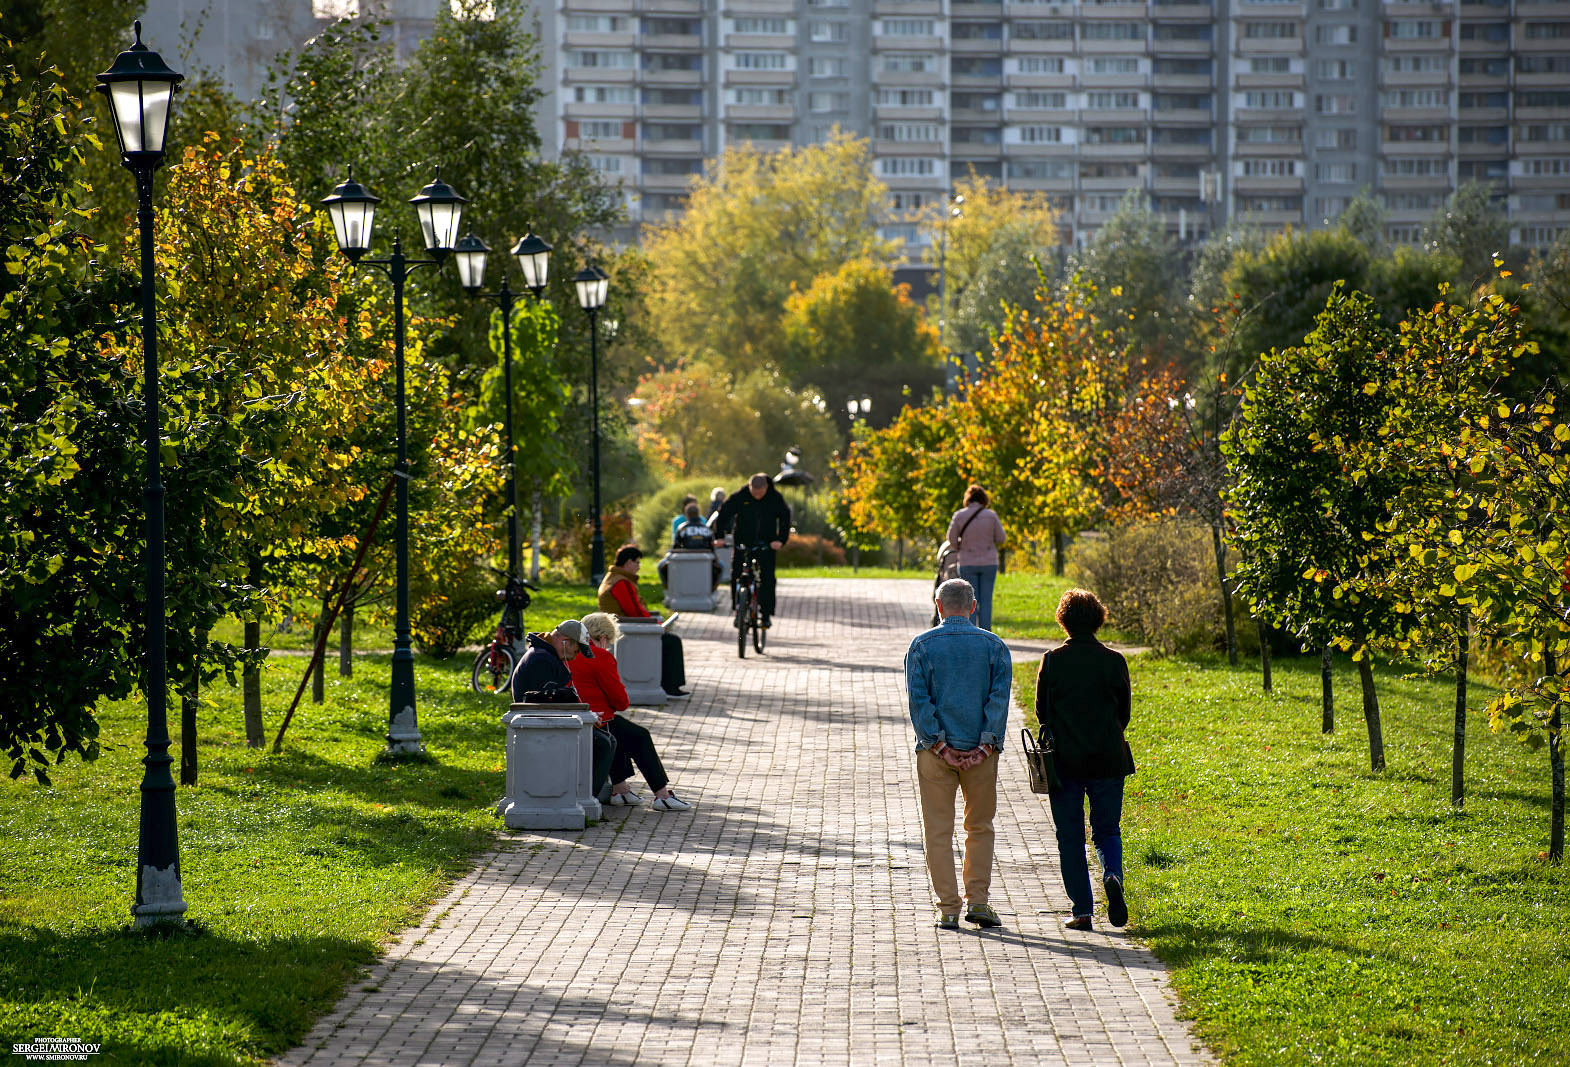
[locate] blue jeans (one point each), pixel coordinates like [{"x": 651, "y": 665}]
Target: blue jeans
[
  {"x": 981, "y": 579},
  {"x": 1068, "y": 815}
]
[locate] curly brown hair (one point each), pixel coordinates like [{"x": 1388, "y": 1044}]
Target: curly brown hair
[
  {"x": 1080, "y": 612},
  {"x": 975, "y": 495}
]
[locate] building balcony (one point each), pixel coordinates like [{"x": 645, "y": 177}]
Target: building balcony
[
  {"x": 599, "y": 111},
  {"x": 974, "y": 153},
  {"x": 1182, "y": 116},
  {"x": 678, "y": 111},
  {"x": 1258, "y": 10},
  {"x": 1402, "y": 149},
  {"x": 1270, "y": 218},
  {"x": 578, "y": 39},
  {"x": 909, "y": 44},
  {"x": 1414, "y": 115},
  {"x": 1268, "y": 81},
  {"x": 1173, "y": 153},
  {"x": 982, "y": 46},
  {"x": 906, "y": 7},
  {"x": 1268, "y": 46},
  {"x": 909, "y": 148},
  {"x": 1181, "y": 81},
  {"x": 757, "y": 113},
  {"x": 772, "y": 41},
  {"x": 978, "y": 116},
  {"x": 1039, "y": 81},
  {"x": 1489, "y": 114},
  {"x": 1274, "y": 151},
  {"x": 1423, "y": 183},
  {"x": 1397, "y": 80},
  {"x": 1114, "y": 12},
  {"x": 663, "y": 7},
  {"x": 1111, "y": 185},
  {"x": 976, "y": 8},
  {"x": 1175, "y": 186},
  {"x": 1272, "y": 116},
  {"x": 673, "y": 42},
  {"x": 906, "y": 79},
  {"x": 1181, "y": 12},
  {"x": 599, "y": 75},
  {"x": 1114, "y": 48},
  {"x": 1401, "y": 46},
  {"x": 1114, "y": 81},
  {"x": 1180, "y": 49},
  {"x": 773, "y": 79},
  {"x": 1113, "y": 151},
  {"x": 665, "y": 183},
  {"x": 894, "y": 113},
  {"x": 671, "y": 148},
  {"x": 1041, "y": 48},
  {"x": 690, "y": 79}
]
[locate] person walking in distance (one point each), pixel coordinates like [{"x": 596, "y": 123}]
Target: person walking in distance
[
  {"x": 958, "y": 677},
  {"x": 756, "y": 516},
  {"x": 976, "y": 533},
  {"x": 1083, "y": 701}
]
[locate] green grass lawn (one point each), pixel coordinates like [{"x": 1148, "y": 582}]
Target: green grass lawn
[
  {"x": 1315, "y": 913},
  {"x": 297, "y": 867}
]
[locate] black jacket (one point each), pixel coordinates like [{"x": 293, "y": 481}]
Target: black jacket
[
  {"x": 540, "y": 664},
  {"x": 1083, "y": 697},
  {"x": 755, "y": 522}
]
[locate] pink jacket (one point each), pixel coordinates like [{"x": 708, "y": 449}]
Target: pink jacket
[{"x": 983, "y": 537}]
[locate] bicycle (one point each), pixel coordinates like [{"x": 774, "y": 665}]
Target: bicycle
[
  {"x": 493, "y": 666},
  {"x": 749, "y": 609}
]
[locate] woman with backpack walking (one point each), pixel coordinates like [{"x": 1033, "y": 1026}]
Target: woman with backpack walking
[{"x": 976, "y": 534}]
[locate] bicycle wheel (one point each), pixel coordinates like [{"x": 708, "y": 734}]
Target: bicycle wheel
[
  {"x": 759, "y": 634},
  {"x": 492, "y": 670},
  {"x": 741, "y": 623}
]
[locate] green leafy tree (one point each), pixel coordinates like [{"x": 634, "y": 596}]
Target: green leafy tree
[
  {"x": 1471, "y": 229},
  {"x": 70, "y": 536},
  {"x": 854, "y": 332},
  {"x": 1136, "y": 279},
  {"x": 758, "y": 225},
  {"x": 1304, "y": 519}
]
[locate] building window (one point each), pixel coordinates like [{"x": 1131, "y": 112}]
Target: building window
[
  {"x": 907, "y": 167},
  {"x": 1414, "y": 168},
  {"x": 673, "y": 97},
  {"x": 1042, "y": 31},
  {"x": 1040, "y": 169},
  {"x": 828, "y": 102},
  {"x": 1543, "y": 98},
  {"x": 776, "y": 27},
  {"x": 1489, "y": 66},
  {"x": 905, "y": 28},
  {"x": 667, "y": 27},
  {"x": 606, "y": 164},
  {"x": 760, "y": 97},
  {"x": 1416, "y": 29},
  {"x": 1270, "y": 135},
  {"x": 1483, "y": 169},
  {"x": 599, "y": 23},
  {"x": 1039, "y": 134},
  {"x": 1335, "y": 104},
  {"x": 1038, "y": 101},
  {"x": 1249, "y": 204},
  {"x": 975, "y": 66},
  {"x": 1417, "y": 134},
  {"x": 1535, "y": 134},
  {"x": 1270, "y": 31},
  {"x": 830, "y": 32},
  {"x": 1413, "y": 201},
  {"x": 1105, "y": 101},
  {"x": 976, "y": 135},
  {"x": 1114, "y": 135},
  {"x": 1271, "y": 100},
  {"x": 591, "y": 130},
  {"x": 1112, "y": 65},
  {"x": 1039, "y": 64},
  {"x": 1109, "y": 170},
  {"x": 977, "y": 31},
  {"x": 1420, "y": 65},
  {"x": 1269, "y": 168},
  {"x": 1547, "y": 31},
  {"x": 1184, "y": 66},
  {"x": 1336, "y": 173},
  {"x": 828, "y": 67},
  {"x": 1335, "y": 70},
  {"x": 672, "y": 167},
  {"x": 673, "y": 61},
  {"x": 762, "y": 61},
  {"x": 1474, "y": 101},
  {"x": 600, "y": 60},
  {"x": 1270, "y": 65},
  {"x": 1539, "y": 64},
  {"x": 910, "y": 131},
  {"x": 1180, "y": 135},
  {"x": 1182, "y": 31},
  {"x": 908, "y": 63},
  {"x": 1335, "y": 35},
  {"x": 760, "y": 131},
  {"x": 1545, "y": 168},
  {"x": 905, "y": 97},
  {"x": 977, "y": 101},
  {"x": 1340, "y": 140},
  {"x": 672, "y": 131},
  {"x": 1423, "y": 98},
  {"x": 603, "y": 94},
  {"x": 1112, "y": 31},
  {"x": 1497, "y": 32},
  {"x": 1181, "y": 101}
]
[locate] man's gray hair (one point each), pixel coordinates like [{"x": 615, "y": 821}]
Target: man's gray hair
[{"x": 955, "y": 597}]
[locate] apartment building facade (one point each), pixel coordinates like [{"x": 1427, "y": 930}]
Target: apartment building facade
[{"x": 1271, "y": 112}]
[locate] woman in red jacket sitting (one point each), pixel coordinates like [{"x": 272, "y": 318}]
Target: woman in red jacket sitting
[{"x": 599, "y": 685}]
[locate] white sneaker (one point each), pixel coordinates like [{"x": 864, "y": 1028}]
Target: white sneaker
[
  {"x": 672, "y": 802},
  {"x": 628, "y": 799}
]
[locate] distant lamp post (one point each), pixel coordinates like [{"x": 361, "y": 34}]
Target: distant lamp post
[
  {"x": 955, "y": 209},
  {"x": 141, "y": 87},
  {"x": 593, "y": 284},
  {"x": 534, "y": 257},
  {"x": 352, "y": 209},
  {"x": 858, "y": 409}
]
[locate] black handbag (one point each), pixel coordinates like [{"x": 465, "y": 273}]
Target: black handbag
[{"x": 1039, "y": 762}]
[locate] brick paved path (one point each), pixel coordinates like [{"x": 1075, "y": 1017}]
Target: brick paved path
[{"x": 787, "y": 920}]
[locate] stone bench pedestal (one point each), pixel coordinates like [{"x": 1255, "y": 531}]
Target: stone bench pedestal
[
  {"x": 689, "y": 577},
  {"x": 638, "y": 657},
  {"x": 550, "y": 767}
]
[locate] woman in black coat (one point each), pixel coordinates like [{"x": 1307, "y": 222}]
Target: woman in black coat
[{"x": 1083, "y": 700}]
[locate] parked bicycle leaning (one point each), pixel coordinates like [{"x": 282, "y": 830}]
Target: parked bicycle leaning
[{"x": 494, "y": 665}]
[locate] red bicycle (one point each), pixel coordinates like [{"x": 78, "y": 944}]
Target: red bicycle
[{"x": 493, "y": 666}]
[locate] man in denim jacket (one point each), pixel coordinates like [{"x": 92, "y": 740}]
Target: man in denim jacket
[{"x": 958, "y": 678}]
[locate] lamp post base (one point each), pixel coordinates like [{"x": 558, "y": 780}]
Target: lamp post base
[
  {"x": 403, "y": 736},
  {"x": 162, "y": 903}
]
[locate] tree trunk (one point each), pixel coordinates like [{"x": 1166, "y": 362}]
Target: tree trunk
[
  {"x": 251, "y": 690},
  {"x": 1458, "y": 748},
  {"x": 190, "y": 694},
  {"x": 1327, "y": 696},
  {"x": 1376, "y": 736},
  {"x": 1264, "y": 655},
  {"x": 1059, "y": 550},
  {"x": 346, "y": 643},
  {"x": 1556, "y": 769},
  {"x": 536, "y": 521},
  {"x": 318, "y": 680},
  {"x": 899, "y": 543},
  {"x": 251, "y": 681},
  {"x": 1220, "y": 547},
  {"x": 855, "y": 559}
]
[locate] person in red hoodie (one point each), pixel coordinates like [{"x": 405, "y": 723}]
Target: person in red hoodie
[{"x": 599, "y": 685}]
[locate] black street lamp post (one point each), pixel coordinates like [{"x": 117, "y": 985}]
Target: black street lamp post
[
  {"x": 141, "y": 87},
  {"x": 592, "y": 284},
  {"x": 439, "y": 208},
  {"x": 534, "y": 257}
]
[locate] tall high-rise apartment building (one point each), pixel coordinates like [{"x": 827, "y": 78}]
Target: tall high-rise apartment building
[{"x": 1275, "y": 112}]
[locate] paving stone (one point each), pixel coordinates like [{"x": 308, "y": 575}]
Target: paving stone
[{"x": 784, "y": 921}]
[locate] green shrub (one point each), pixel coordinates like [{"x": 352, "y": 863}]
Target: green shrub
[
  {"x": 651, "y": 520},
  {"x": 444, "y": 616},
  {"x": 1158, "y": 581}
]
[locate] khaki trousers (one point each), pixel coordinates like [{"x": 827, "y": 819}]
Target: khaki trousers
[{"x": 938, "y": 782}]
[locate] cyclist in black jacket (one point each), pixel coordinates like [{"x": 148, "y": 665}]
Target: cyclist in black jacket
[{"x": 756, "y": 515}]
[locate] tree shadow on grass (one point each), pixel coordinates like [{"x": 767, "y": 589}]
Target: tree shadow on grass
[
  {"x": 1182, "y": 944},
  {"x": 199, "y": 998}
]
